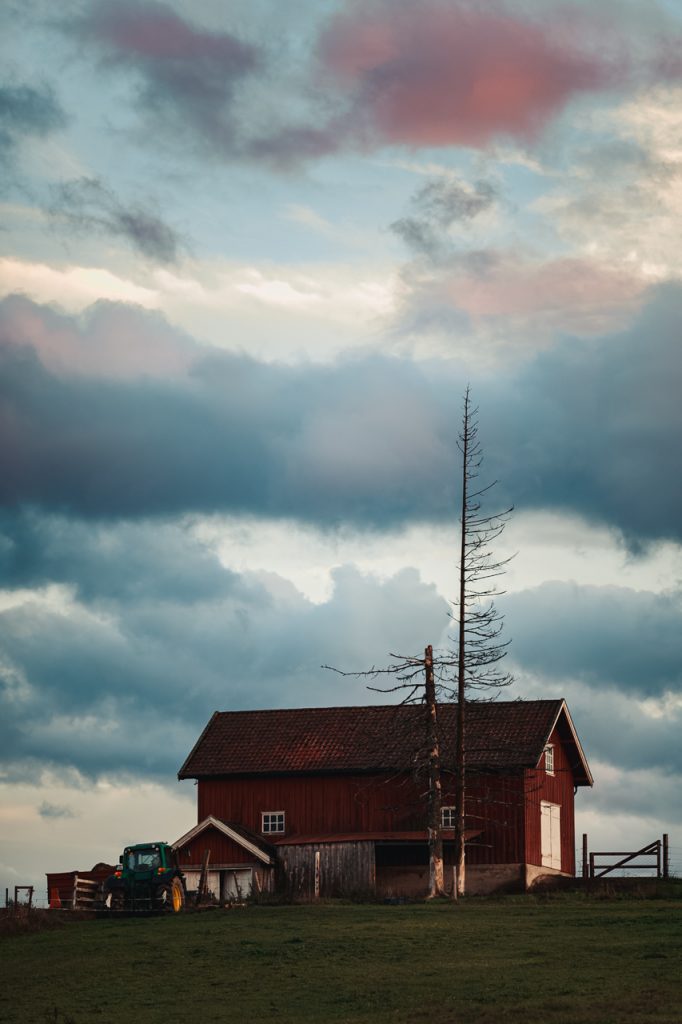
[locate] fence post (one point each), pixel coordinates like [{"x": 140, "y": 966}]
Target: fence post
[
  {"x": 591, "y": 865},
  {"x": 666, "y": 856},
  {"x": 585, "y": 855}
]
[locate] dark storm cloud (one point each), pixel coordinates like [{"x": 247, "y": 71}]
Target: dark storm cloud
[
  {"x": 605, "y": 636},
  {"x": 352, "y": 441},
  {"x": 25, "y": 111},
  {"x": 87, "y": 205},
  {"x": 435, "y": 208},
  {"x": 187, "y": 77},
  {"x": 118, "y": 671},
  {"x": 591, "y": 427},
  {"x": 131, "y": 562},
  {"x": 596, "y": 426}
]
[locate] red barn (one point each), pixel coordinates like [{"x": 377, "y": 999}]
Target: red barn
[{"x": 332, "y": 800}]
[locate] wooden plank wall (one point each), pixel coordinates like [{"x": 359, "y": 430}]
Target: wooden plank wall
[
  {"x": 346, "y": 869},
  {"x": 317, "y": 804},
  {"x": 495, "y": 804},
  {"x": 326, "y": 805}
]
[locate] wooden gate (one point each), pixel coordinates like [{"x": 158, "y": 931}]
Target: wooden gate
[{"x": 652, "y": 857}]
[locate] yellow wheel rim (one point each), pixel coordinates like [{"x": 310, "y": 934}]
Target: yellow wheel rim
[{"x": 177, "y": 896}]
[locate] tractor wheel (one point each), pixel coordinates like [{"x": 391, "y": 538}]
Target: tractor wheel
[
  {"x": 171, "y": 897},
  {"x": 178, "y": 894}
]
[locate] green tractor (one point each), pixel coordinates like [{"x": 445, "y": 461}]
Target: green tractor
[{"x": 148, "y": 877}]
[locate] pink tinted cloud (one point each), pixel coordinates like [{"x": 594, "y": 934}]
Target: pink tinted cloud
[
  {"x": 110, "y": 340},
  {"x": 436, "y": 74},
  {"x": 568, "y": 294},
  {"x": 150, "y": 31},
  {"x": 569, "y": 287}
]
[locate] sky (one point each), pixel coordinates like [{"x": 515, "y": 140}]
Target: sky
[{"x": 251, "y": 255}]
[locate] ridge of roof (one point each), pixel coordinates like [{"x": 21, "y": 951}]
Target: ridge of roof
[{"x": 372, "y": 738}]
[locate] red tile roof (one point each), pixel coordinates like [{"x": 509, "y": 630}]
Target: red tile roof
[{"x": 500, "y": 735}]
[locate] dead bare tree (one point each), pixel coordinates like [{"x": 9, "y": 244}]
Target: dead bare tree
[
  {"x": 407, "y": 671},
  {"x": 474, "y": 663},
  {"x": 478, "y": 645}
]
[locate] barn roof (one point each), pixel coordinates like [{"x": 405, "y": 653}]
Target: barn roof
[{"x": 501, "y": 735}]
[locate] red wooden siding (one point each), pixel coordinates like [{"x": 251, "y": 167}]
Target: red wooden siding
[
  {"x": 557, "y": 789},
  {"x": 223, "y": 850},
  {"x": 494, "y": 803},
  {"x": 328, "y": 805},
  {"x": 316, "y": 804}
]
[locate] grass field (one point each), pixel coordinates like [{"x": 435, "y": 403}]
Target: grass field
[{"x": 550, "y": 961}]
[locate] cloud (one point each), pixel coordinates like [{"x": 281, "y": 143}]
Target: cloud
[
  {"x": 622, "y": 199},
  {"x": 505, "y": 294},
  {"x": 130, "y": 635},
  {"x": 376, "y": 74},
  {"x": 596, "y": 426},
  {"x": 187, "y": 77},
  {"x": 119, "y": 639},
  {"x": 443, "y": 74},
  {"x": 435, "y": 208},
  {"x": 592, "y": 427},
  {"x": 611, "y": 637},
  {"x": 231, "y": 434},
  {"x": 51, "y": 811},
  {"x": 110, "y": 339},
  {"x": 27, "y": 111},
  {"x": 87, "y": 205}
]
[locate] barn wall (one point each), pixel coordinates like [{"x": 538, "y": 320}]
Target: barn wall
[
  {"x": 495, "y": 804},
  {"x": 346, "y": 869},
  {"x": 337, "y": 804},
  {"x": 506, "y": 809},
  {"x": 317, "y": 804},
  {"x": 557, "y": 789}
]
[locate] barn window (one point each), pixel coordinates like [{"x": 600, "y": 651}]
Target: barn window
[
  {"x": 549, "y": 759},
  {"x": 448, "y": 817},
  {"x": 272, "y": 821}
]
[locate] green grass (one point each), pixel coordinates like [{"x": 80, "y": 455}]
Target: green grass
[{"x": 555, "y": 961}]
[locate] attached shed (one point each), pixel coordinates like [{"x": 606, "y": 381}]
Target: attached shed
[
  {"x": 239, "y": 862},
  {"x": 336, "y": 795}
]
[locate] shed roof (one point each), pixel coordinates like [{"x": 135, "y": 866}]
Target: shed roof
[
  {"x": 501, "y": 735},
  {"x": 234, "y": 831}
]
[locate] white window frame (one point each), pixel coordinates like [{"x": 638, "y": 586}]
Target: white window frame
[
  {"x": 273, "y": 822},
  {"x": 549, "y": 759},
  {"x": 447, "y": 817}
]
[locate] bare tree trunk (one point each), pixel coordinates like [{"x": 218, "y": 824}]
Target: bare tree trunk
[
  {"x": 459, "y": 872},
  {"x": 436, "y": 882}
]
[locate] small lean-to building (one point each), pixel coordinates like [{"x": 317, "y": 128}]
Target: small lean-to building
[{"x": 332, "y": 801}]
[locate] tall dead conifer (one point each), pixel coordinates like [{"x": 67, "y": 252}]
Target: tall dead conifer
[{"x": 479, "y": 649}]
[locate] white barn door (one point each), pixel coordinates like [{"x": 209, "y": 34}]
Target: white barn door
[
  {"x": 550, "y": 835},
  {"x": 236, "y": 884}
]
